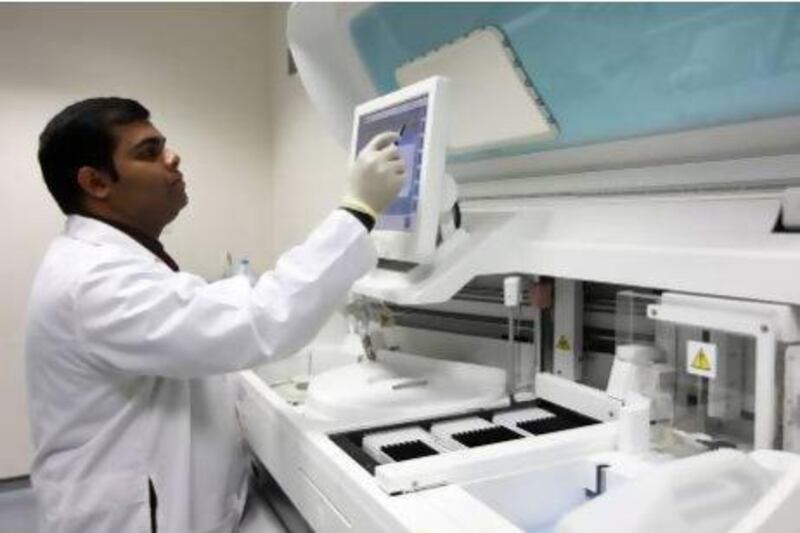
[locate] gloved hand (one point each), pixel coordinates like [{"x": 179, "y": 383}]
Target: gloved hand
[{"x": 376, "y": 176}]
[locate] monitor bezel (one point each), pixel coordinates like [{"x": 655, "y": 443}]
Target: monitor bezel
[{"x": 419, "y": 245}]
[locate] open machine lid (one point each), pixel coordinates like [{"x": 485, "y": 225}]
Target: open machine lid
[
  {"x": 685, "y": 116},
  {"x": 646, "y": 83}
]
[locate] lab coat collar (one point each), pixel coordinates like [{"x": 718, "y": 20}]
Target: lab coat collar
[{"x": 99, "y": 233}]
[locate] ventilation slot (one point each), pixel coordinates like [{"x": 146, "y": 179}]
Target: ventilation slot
[
  {"x": 482, "y": 437},
  {"x": 404, "y": 451},
  {"x": 551, "y": 425}
]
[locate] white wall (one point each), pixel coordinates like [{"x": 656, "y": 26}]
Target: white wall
[
  {"x": 205, "y": 72},
  {"x": 308, "y": 169}
]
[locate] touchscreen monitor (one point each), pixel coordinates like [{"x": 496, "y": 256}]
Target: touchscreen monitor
[{"x": 406, "y": 230}]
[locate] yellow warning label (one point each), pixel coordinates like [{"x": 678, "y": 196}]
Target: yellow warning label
[
  {"x": 701, "y": 359},
  {"x": 563, "y": 344},
  {"x": 701, "y": 362}
]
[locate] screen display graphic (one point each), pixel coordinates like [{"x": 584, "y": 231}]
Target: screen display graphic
[{"x": 407, "y": 119}]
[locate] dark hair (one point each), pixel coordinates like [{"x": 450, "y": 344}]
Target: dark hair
[{"x": 81, "y": 135}]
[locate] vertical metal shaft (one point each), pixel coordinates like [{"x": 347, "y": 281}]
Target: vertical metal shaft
[{"x": 511, "y": 366}]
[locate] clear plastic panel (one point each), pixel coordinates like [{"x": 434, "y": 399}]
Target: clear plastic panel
[
  {"x": 631, "y": 324},
  {"x": 714, "y": 389},
  {"x": 700, "y": 381}
]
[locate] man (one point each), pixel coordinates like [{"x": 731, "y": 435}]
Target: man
[{"x": 132, "y": 416}]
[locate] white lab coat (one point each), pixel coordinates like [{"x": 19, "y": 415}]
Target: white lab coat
[{"x": 126, "y": 364}]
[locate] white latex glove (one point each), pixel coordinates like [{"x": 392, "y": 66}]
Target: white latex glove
[{"x": 376, "y": 176}]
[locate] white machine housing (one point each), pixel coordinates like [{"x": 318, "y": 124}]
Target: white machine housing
[{"x": 701, "y": 221}]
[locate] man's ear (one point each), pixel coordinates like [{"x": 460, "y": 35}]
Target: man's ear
[{"x": 95, "y": 183}]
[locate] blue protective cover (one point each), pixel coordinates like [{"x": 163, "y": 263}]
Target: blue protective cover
[{"x": 613, "y": 71}]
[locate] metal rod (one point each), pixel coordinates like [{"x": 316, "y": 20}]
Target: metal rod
[
  {"x": 765, "y": 391},
  {"x": 511, "y": 365}
]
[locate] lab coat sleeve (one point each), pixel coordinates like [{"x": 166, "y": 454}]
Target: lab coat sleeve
[{"x": 150, "y": 321}]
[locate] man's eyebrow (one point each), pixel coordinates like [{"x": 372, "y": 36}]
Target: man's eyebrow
[{"x": 155, "y": 139}]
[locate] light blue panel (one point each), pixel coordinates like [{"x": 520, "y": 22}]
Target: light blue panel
[{"x": 614, "y": 71}]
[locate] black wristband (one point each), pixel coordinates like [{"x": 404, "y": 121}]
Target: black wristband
[{"x": 362, "y": 217}]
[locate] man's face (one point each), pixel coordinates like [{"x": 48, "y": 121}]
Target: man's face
[{"x": 150, "y": 191}]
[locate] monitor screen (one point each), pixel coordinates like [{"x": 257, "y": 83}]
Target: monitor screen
[
  {"x": 407, "y": 229},
  {"x": 408, "y": 120}
]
